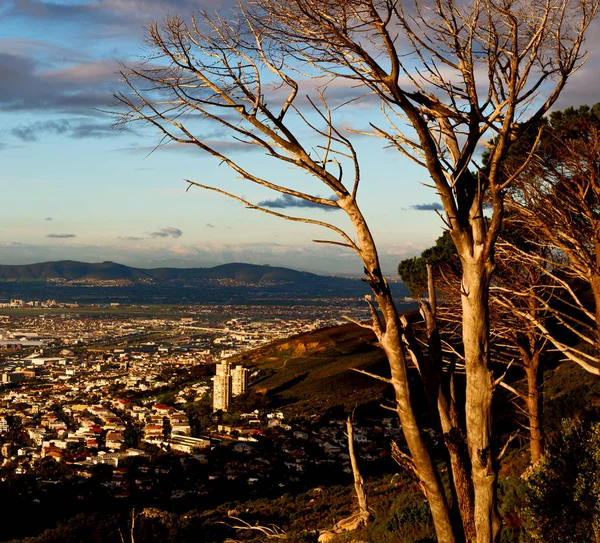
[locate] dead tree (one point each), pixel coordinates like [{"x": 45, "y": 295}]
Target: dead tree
[
  {"x": 477, "y": 66},
  {"x": 521, "y": 293},
  {"x": 268, "y": 533},
  {"x": 363, "y": 515},
  {"x": 557, "y": 204},
  {"x": 517, "y": 288},
  {"x": 361, "y": 496}
]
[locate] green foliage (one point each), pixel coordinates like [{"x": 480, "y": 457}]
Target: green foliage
[
  {"x": 562, "y": 495},
  {"x": 567, "y": 123},
  {"x": 132, "y": 436},
  {"x": 512, "y": 503},
  {"x": 561, "y": 130},
  {"x": 442, "y": 256},
  {"x": 407, "y": 518},
  {"x": 167, "y": 398},
  {"x": 413, "y": 273},
  {"x": 200, "y": 413},
  {"x": 230, "y": 417},
  {"x": 568, "y": 391}
]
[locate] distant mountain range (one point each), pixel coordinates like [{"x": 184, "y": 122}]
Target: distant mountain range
[
  {"x": 68, "y": 280},
  {"x": 69, "y": 270}
]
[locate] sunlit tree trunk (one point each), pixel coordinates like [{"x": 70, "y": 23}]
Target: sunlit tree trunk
[
  {"x": 359, "y": 487},
  {"x": 535, "y": 407},
  {"x": 479, "y": 393},
  {"x": 389, "y": 331}
]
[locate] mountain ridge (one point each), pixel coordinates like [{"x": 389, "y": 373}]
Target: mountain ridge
[{"x": 71, "y": 270}]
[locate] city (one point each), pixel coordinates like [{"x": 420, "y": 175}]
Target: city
[
  {"x": 317, "y": 271},
  {"x": 137, "y": 394}
]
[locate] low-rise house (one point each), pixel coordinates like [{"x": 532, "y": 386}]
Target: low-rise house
[
  {"x": 114, "y": 440},
  {"x": 188, "y": 444},
  {"x": 37, "y": 435},
  {"x": 54, "y": 453},
  {"x": 181, "y": 428},
  {"x": 162, "y": 409},
  {"x": 152, "y": 431}
]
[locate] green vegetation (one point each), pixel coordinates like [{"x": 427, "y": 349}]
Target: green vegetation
[
  {"x": 562, "y": 493},
  {"x": 442, "y": 256}
]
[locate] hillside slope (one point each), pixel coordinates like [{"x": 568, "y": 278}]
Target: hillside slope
[{"x": 313, "y": 371}]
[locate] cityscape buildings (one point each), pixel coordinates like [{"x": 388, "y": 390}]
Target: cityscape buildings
[
  {"x": 222, "y": 387},
  {"x": 239, "y": 380},
  {"x": 228, "y": 382}
]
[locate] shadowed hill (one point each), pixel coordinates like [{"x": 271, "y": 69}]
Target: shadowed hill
[
  {"x": 71, "y": 270},
  {"x": 251, "y": 273}
]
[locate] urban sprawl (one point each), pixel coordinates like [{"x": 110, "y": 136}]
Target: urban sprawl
[{"x": 145, "y": 395}]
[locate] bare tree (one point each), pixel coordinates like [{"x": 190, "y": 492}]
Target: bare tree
[
  {"x": 557, "y": 203},
  {"x": 519, "y": 288},
  {"x": 363, "y": 508},
  {"x": 363, "y": 515},
  {"x": 430, "y": 357},
  {"x": 448, "y": 75},
  {"x": 267, "y": 532},
  {"x": 520, "y": 294}
]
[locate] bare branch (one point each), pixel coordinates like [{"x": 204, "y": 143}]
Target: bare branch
[
  {"x": 349, "y": 242},
  {"x": 506, "y": 445},
  {"x": 373, "y": 375},
  {"x": 270, "y": 532}
]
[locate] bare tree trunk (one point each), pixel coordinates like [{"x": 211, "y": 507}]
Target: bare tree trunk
[
  {"x": 358, "y": 480},
  {"x": 389, "y": 333},
  {"x": 479, "y": 392},
  {"x": 454, "y": 440},
  {"x": 431, "y": 289},
  {"x": 441, "y": 399},
  {"x": 462, "y": 484},
  {"x": 454, "y": 437},
  {"x": 392, "y": 345},
  {"x": 535, "y": 408}
]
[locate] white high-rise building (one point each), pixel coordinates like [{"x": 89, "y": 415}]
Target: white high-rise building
[
  {"x": 239, "y": 380},
  {"x": 222, "y": 387},
  {"x": 228, "y": 382}
]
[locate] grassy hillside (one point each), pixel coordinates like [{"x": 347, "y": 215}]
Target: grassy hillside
[
  {"x": 401, "y": 514},
  {"x": 312, "y": 372}
]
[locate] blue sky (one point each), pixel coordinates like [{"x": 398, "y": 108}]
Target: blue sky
[{"x": 74, "y": 187}]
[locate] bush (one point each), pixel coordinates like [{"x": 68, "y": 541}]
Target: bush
[{"x": 562, "y": 494}]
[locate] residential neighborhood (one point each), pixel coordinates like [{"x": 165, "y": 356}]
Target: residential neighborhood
[{"x": 138, "y": 396}]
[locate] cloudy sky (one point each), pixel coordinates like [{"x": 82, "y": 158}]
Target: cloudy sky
[{"x": 74, "y": 187}]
